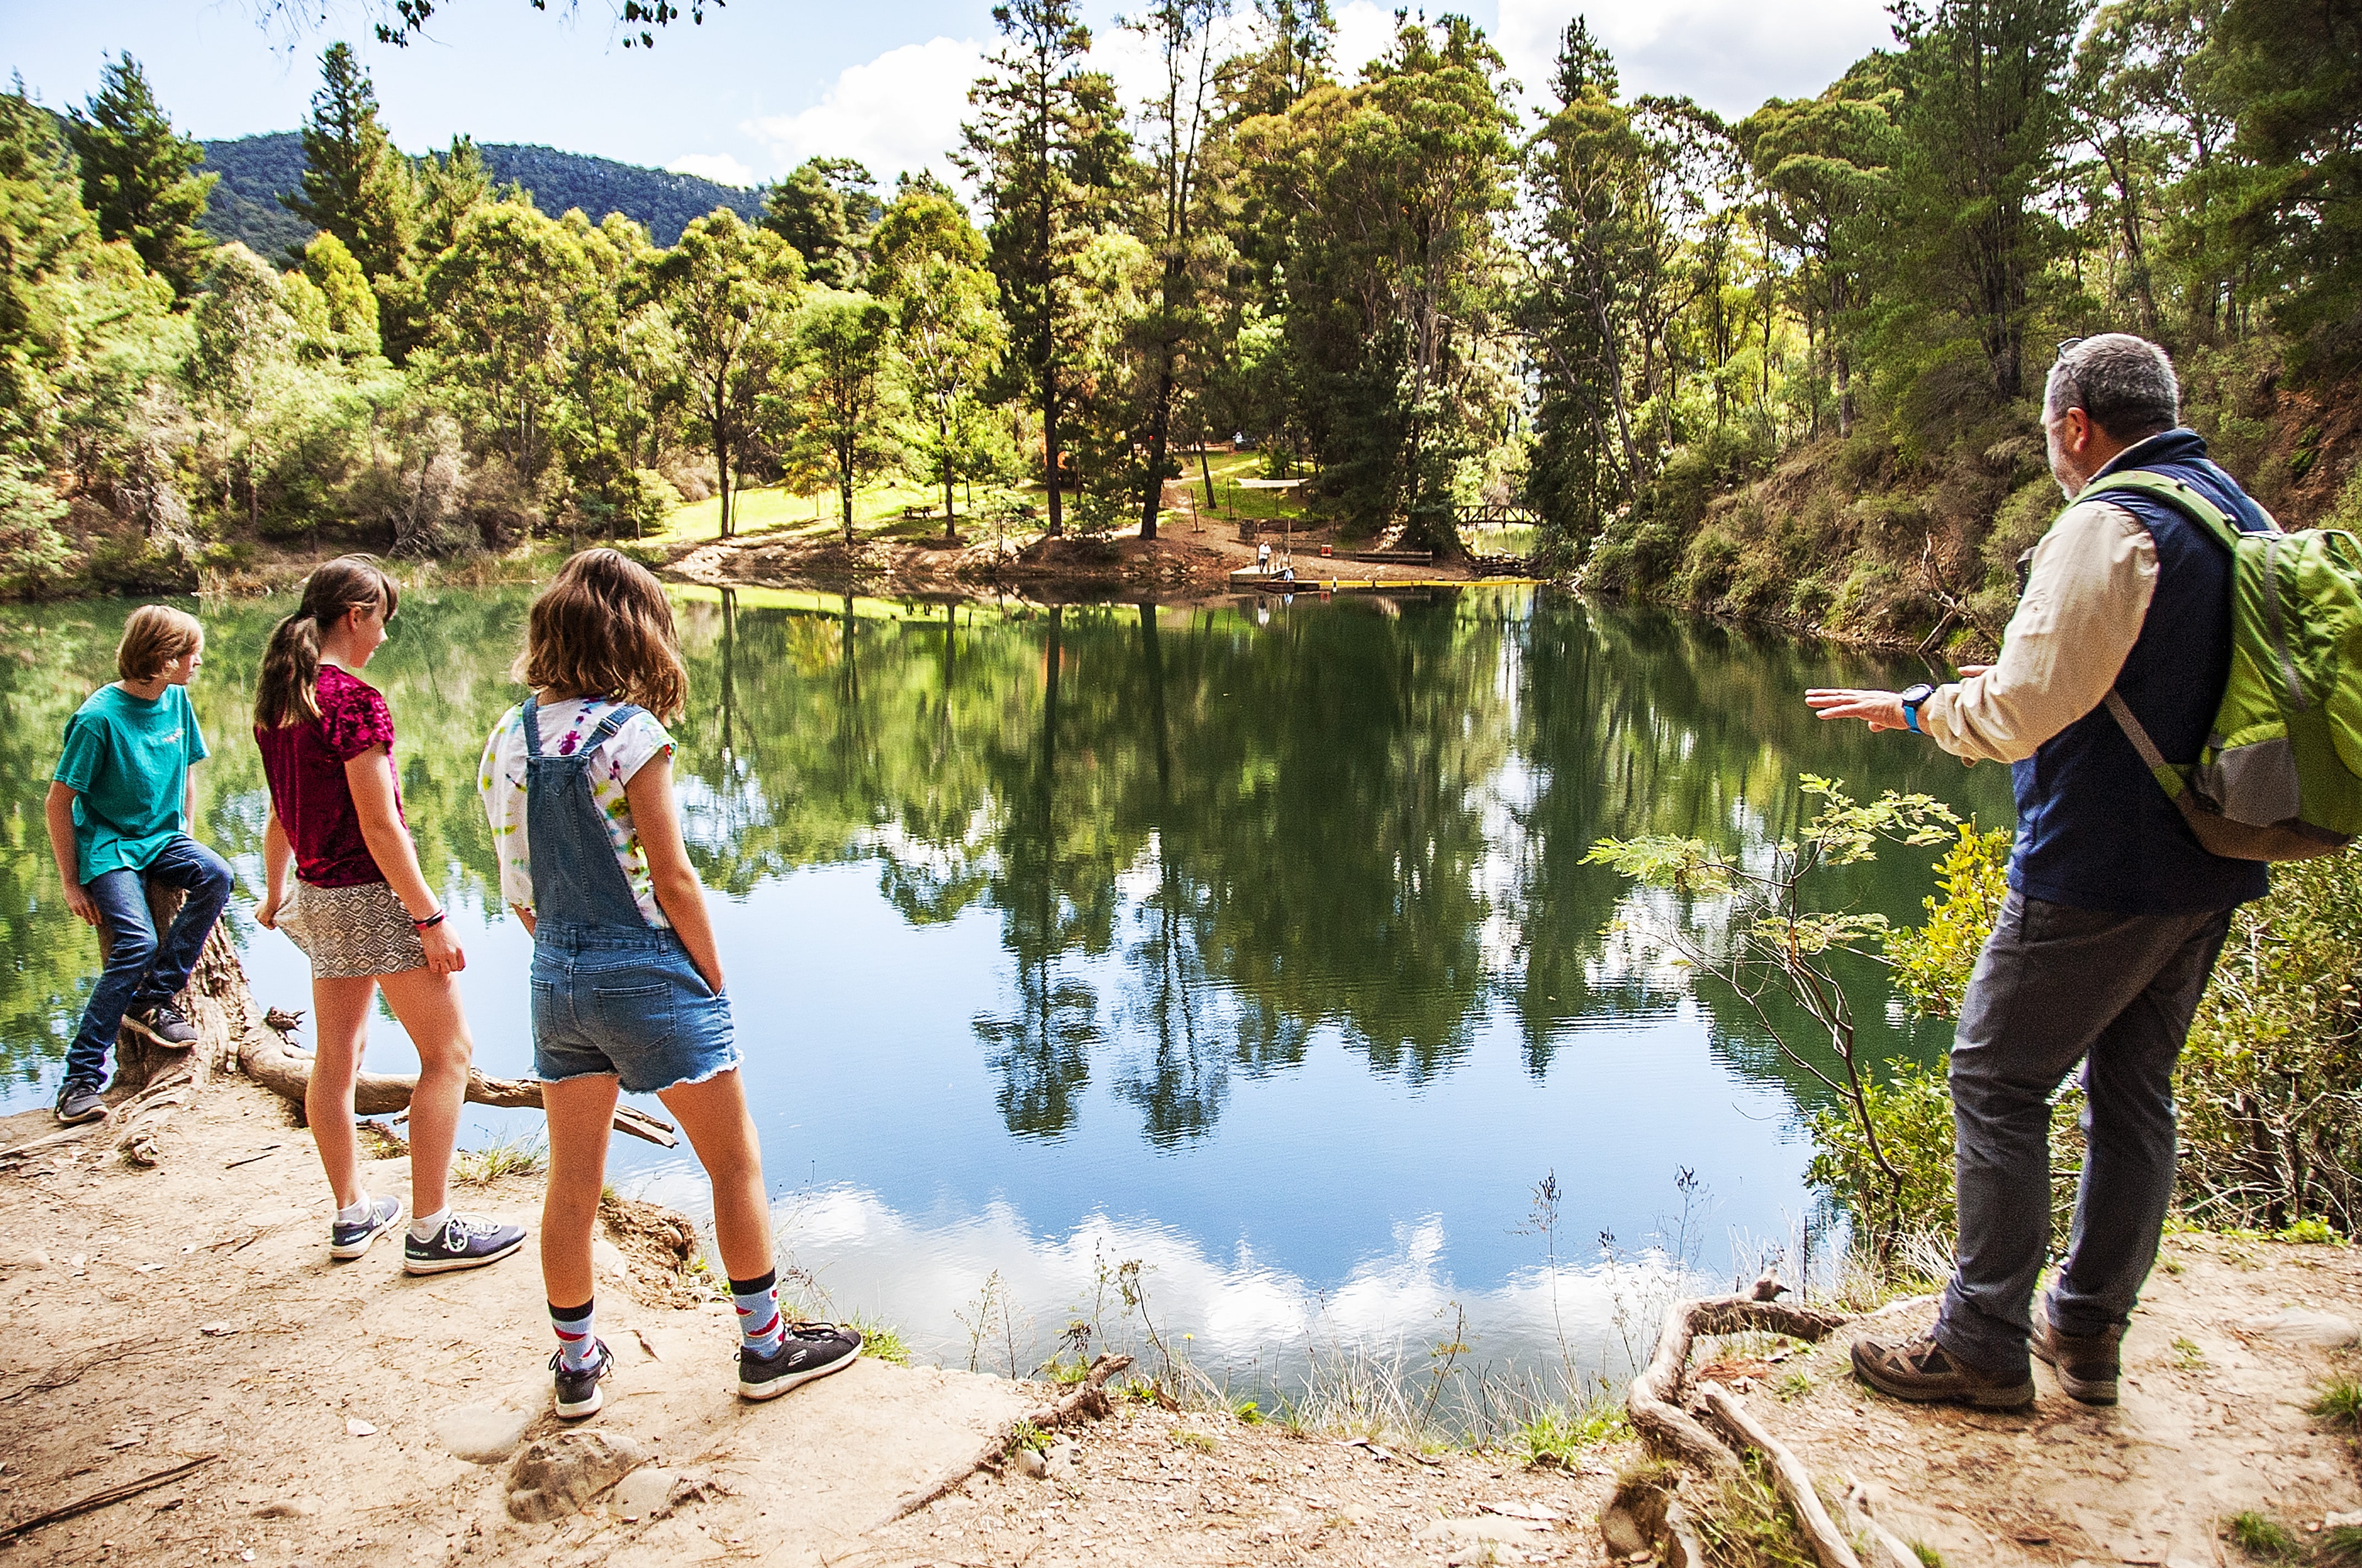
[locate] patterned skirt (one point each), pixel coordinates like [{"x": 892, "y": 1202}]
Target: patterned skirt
[{"x": 350, "y": 933}]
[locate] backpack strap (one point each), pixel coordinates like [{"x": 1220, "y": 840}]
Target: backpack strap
[{"x": 2181, "y": 496}]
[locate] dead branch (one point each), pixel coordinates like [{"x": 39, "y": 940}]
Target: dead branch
[
  {"x": 1087, "y": 1398},
  {"x": 110, "y": 1495},
  {"x": 1653, "y": 1401},
  {"x": 70, "y": 1370},
  {"x": 1789, "y": 1476},
  {"x": 265, "y": 1056}
]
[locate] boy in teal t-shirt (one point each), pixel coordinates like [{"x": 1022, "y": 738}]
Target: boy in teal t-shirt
[{"x": 118, "y": 819}]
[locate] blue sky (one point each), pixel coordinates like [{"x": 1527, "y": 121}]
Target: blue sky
[{"x": 765, "y": 84}]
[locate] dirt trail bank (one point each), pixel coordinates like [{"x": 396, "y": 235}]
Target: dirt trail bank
[
  {"x": 355, "y": 1416},
  {"x": 2212, "y": 1425}
]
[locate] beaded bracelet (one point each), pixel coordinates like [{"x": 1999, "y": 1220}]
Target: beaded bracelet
[{"x": 433, "y": 920}]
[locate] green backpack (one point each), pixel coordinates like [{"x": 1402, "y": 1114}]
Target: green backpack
[{"x": 2280, "y": 776}]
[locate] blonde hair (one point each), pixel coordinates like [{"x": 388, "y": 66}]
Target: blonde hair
[
  {"x": 155, "y": 637},
  {"x": 603, "y": 628},
  {"x": 286, "y": 688}
]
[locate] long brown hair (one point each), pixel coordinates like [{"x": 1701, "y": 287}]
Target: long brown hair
[
  {"x": 286, "y": 691},
  {"x": 603, "y": 628}
]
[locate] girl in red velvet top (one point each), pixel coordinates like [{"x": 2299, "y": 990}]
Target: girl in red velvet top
[{"x": 362, "y": 911}]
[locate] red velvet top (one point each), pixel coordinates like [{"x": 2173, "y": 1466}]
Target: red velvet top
[{"x": 305, "y": 765}]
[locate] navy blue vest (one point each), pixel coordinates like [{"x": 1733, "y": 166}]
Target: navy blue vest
[{"x": 2094, "y": 831}]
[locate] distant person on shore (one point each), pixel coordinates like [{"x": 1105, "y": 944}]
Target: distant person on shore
[
  {"x": 2114, "y": 914},
  {"x": 362, "y": 911},
  {"x": 627, "y": 984},
  {"x": 118, "y": 819}
]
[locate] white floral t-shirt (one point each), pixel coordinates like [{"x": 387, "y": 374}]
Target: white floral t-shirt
[{"x": 564, "y": 726}]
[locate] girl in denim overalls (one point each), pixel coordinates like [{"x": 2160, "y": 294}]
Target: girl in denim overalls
[{"x": 627, "y": 990}]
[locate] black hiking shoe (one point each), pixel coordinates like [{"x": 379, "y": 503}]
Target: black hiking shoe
[
  {"x": 465, "y": 1240},
  {"x": 1924, "y": 1370},
  {"x": 809, "y": 1351},
  {"x": 350, "y": 1240},
  {"x": 2087, "y": 1365},
  {"x": 79, "y": 1102},
  {"x": 578, "y": 1388},
  {"x": 163, "y": 1023}
]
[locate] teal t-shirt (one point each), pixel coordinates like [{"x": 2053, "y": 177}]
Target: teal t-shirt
[{"x": 128, "y": 762}]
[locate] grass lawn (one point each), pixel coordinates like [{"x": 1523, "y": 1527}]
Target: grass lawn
[{"x": 1233, "y": 499}]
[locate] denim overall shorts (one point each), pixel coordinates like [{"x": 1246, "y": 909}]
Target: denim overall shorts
[{"x": 611, "y": 992}]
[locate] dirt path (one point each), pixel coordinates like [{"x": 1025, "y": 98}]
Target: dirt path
[
  {"x": 2212, "y": 1425},
  {"x": 361, "y": 1417}
]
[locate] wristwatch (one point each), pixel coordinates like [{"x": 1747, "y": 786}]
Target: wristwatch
[{"x": 1912, "y": 697}]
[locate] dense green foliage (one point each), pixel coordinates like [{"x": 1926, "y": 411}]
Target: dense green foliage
[
  {"x": 256, "y": 171},
  {"x": 1785, "y": 366}
]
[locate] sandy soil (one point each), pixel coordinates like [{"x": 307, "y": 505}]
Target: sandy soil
[
  {"x": 2212, "y": 1424},
  {"x": 192, "y": 1310}
]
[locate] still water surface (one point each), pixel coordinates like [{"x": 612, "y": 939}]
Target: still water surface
[{"x": 1252, "y": 942}]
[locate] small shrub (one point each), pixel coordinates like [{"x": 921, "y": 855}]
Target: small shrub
[
  {"x": 2261, "y": 1538},
  {"x": 2339, "y": 1403},
  {"x": 2341, "y": 1546},
  {"x": 1558, "y": 1436},
  {"x": 507, "y": 1157},
  {"x": 882, "y": 1342},
  {"x": 1025, "y": 1434},
  {"x": 1743, "y": 1524}
]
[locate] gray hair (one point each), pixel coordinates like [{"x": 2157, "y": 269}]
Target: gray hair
[{"x": 2123, "y": 383}]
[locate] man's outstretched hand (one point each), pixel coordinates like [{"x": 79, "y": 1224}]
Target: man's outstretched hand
[{"x": 1879, "y": 709}]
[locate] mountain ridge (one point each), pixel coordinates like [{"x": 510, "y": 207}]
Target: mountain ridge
[{"x": 254, "y": 170}]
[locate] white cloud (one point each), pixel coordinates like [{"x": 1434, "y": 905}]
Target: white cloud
[
  {"x": 901, "y": 111},
  {"x": 1364, "y": 31},
  {"x": 718, "y": 167},
  {"x": 1729, "y": 55}
]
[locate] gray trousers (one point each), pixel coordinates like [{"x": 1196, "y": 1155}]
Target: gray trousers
[{"x": 2055, "y": 986}]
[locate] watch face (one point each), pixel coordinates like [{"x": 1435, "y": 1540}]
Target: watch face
[{"x": 1915, "y": 695}]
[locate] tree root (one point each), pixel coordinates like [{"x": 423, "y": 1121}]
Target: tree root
[
  {"x": 1653, "y": 1401},
  {"x": 265, "y": 1056},
  {"x": 1088, "y": 1400},
  {"x": 1789, "y": 1477}
]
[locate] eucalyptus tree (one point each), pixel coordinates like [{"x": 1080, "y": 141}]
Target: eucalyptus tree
[
  {"x": 846, "y": 390},
  {"x": 730, "y": 293},
  {"x": 506, "y": 300},
  {"x": 928, "y": 262},
  {"x": 140, "y": 176},
  {"x": 1178, "y": 218},
  {"x": 1047, "y": 152}
]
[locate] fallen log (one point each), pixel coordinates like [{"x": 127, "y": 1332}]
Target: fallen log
[
  {"x": 267, "y": 1059},
  {"x": 1653, "y": 1401}
]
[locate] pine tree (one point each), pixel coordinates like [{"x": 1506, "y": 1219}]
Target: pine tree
[
  {"x": 356, "y": 184},
  {"x": 139, "y": 178}
]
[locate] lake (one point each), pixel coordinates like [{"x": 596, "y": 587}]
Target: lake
[{"x": 1252, "y": 943}]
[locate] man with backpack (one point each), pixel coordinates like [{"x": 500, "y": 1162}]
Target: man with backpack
[{"x": 2115, "y": 910}]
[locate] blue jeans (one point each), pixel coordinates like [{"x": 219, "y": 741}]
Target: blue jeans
[
  {"x": 141, "y": 971},
  {"x": 2055, "y": 986}
]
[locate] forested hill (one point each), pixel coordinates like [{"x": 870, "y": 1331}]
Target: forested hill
[{"x": 254, "y": 170}]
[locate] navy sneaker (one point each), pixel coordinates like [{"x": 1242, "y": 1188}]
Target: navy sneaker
[
  {"x": 578, "y": 1389},
  {"x": 347, "y": 1241},
  {"x": 465, "y": 1240},
  {"x": 163, "y": 1023},
  {"x": 79, "y": 1102},
  {"x": 809, "y": 1351}
]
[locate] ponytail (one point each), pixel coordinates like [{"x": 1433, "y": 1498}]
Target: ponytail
[{"x": 286, "y": 690}]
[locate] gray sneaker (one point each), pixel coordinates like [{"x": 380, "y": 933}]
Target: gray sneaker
[
  {"x": 349, "y": 1239},
  {"x": 465, "y": 1240},
  {"x": 163, "y": 1023},
  {"x": 809, "y": 1351},
  {"x": 79, "y": 1102}
]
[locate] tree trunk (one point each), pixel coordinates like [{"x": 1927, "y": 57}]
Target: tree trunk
[{"x": 1160, "y": 430}]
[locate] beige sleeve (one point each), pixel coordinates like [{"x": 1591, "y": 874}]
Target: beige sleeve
[{"x": 2094, "y": 573}]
